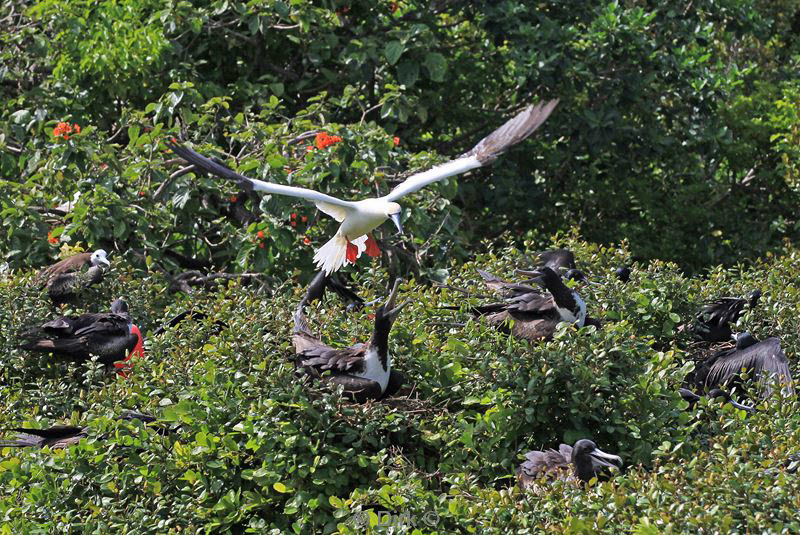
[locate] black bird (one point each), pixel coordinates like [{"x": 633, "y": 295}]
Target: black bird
[
  {"x": 65, "y": 279},
  {"x": 194, "y": 315},
  {"x": 763, "y": 361},
  {"x": 583, "y": 461},
  {"x": 111, "y": 336},
  {"x": 63, "y": 436},
  {"x": 713, "y": 322},
  {"x": 623, "y": 273},
  {"x": 714, "y": 393},
  {"x": 535, "y": 314},
  {"x": 322, "y": 281},
  {"x": 559, "y": 260},
  {"x": 364, "y": 370}
]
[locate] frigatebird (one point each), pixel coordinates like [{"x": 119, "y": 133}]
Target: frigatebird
[
  {"x": 322, "y": 281},
  {"x": 63, "y": 436},
  {"x": 359, "y": 218},
  {"x": 583, "y": 461},
  {"x": 762, "y": 361},
  {"x": 65, "y": 279},
  {"x": 364, "y": 370},
  {"x": 535, "y": 314},
  {"x": 715, "y": 393},
  {"x": 713, "y": 322},
  {"x": 111, "y": 336}
]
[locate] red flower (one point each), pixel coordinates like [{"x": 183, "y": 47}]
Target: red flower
[
  {"x": 309, "y": 148},
  {"x": 260, "y": 234},
  {"x": 261, "y": 244},
  {"x": 51, "y": 239},
  {"x": 304, "y": 219},
  {"x": 293, "y": 216},
  {"x": 63, "y": 130},
  {"x": 307, "y": 241},
  {"x": 293, "y": 223},
  {"x": 324, "y": 140},
  {"x": 234, "y": 198},
  {"x": 396, "y": 141}
]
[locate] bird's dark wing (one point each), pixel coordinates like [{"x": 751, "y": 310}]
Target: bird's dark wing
[
  {"x": 68, "y": 264},
  {"x": 503, "y": 287},
  {"x": 532, "y": 302},
  {"x": 57, "y": 436},
  {"x": 550, "y": 463},
  {"x": 722, "y": 310},
  {"x": 764, "y": 361},
  {"x": 105, "y": 325},
  {"x": 557, "y": 259},
  {"x": 322, "y": 357}
]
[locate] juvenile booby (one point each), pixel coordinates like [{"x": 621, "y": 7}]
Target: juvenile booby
[
  {"x": 111, "y": 336},
  {"x": 583, "y": 461},
  {"x": 763, "y": 361},
  {"x": 65, "y": 279},
  {"x": 364, "y": 370},
  {"x": 535, "y": 314},
  {"x": 713, "y": 322},
  {"x": 63, "y": 436},
  {"x": 359, "y": 218}
]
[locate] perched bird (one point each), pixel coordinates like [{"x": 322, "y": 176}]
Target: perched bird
[
  {"x": 713, "y": 322},
  {"x": 559, "y": 260},
  {"x": 111, "y": 336},
  {"x": 583, "y": 461},
  {"x": 65, "y": 279},
  {"x": 359, "y": 218},
  {"x": 714, "y": 393},
  {"x": 623, "y": 273},
  {"x": 364, "y": 370},
  {"x": 535, "y": 314},
  {"x": 63, "y": 436},
  {"x": 763, "y": 361}
]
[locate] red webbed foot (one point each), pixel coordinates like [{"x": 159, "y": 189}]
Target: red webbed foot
[
  {"x": 352, "y": 252},
  {"x": 372, "y": 247}
]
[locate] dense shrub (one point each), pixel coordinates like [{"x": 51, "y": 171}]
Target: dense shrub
[{"x": 256, "y": 447}]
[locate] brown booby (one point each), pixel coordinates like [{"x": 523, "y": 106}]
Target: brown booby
[
  {"x": 111, "y": 336},
  {"x": 364, "y": 370},
  {"x": 583, "y": 461},
  {"x": 65, "y": 279},
  {"x": 359, "y": 218}
]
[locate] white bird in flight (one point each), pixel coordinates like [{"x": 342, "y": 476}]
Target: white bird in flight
[{"x": 359, "y": 218}]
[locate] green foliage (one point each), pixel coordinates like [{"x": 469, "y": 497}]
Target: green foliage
[
  {"x": 258, "y": 448},
  {"x": 674, "y": 132}
]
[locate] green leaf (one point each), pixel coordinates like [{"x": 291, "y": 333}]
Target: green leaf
[
  {"x": 393, "y": 50},
  {"x": 436, "y": 65}
]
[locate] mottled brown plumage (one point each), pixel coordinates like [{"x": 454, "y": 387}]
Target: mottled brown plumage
[
  {"x": 66, "y": 279},
  {"x": 581, "y": 462}
]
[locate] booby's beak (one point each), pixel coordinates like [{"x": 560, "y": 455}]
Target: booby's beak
[
  {"x": 601, "y": 458},
  {"x": 105, "y": 261},
  {"x": 396, "y": 220}
]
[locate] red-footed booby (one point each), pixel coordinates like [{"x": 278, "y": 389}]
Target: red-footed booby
[{"x": 359, "y": 218}]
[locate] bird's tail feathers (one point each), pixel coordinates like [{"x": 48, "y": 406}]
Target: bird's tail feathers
[{"x": 332, "y": 255}]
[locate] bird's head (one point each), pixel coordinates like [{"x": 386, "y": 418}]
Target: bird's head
[
  {"x": 388, "y": 312},
  {"x": 393, "y": 212},
  {"x": 586, "y": 449},
  {"x": 744, "y": 339},
  {"x": 99, "y": 257},
  {"x": 119, "y": 306}
]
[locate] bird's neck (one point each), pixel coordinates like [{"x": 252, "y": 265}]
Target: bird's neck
[{"x": 380, "y": 342}]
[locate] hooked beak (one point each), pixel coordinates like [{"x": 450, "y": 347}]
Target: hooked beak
[
  {"x": 106, "y": 262},
  {"x": 396, "y": 220},
  {"x": 389, "y": 309},
  {"x": 601, "y": 458}
]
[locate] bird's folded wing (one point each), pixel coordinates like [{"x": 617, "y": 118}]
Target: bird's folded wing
[
  {"x": 487, "y": 149},
  {"x": 220, "y": 170}
]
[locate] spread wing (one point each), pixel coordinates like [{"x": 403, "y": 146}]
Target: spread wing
[
  {"x": 486, "y": 151},
  {"x": 71, "y": 263},
  {"x": 764, "y": 361},
  {"x": 336, "y": 208},
  {"x": 503, "y": 287},
  {"x": 721, "y": 311},
  {"x": 314, "y": 354}
]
